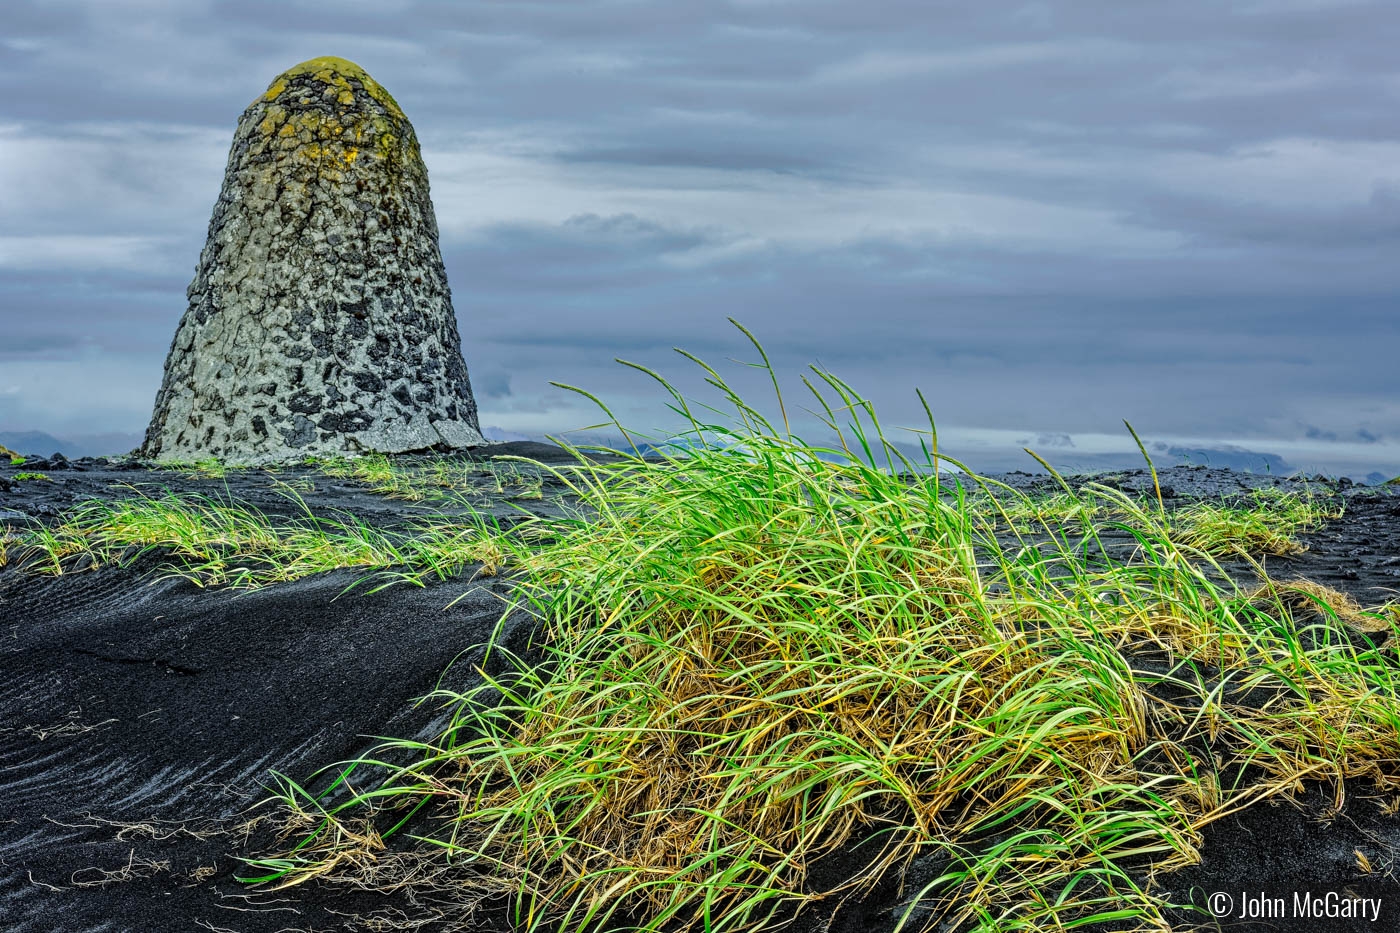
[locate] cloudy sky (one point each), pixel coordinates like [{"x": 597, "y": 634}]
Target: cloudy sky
[{"x": 1049, "y": 216}]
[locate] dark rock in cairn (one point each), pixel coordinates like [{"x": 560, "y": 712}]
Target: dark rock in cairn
[{"x": 319, "y": 320}]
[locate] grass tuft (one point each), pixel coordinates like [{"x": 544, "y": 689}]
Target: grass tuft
[
  {"x": 1267, "y": 525},
  {"x": 205, "y": 468},
  {"x": 216, "y": 542},
  {"x": 761, "y": 652},
  {"x": 438, "y": 478}
]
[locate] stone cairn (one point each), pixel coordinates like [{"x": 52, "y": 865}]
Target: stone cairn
[{"x": 319, "y": 319}]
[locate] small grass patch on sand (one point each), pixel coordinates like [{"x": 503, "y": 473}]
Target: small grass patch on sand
[
  {"x": 1266, "y": 525},
  {"x": 1025, "y": 512},
  {"x": 437, "y": 478},
  {"x": 376, "y": 470},
  {"x": 216, "y": 542},
  {"x": 761, "y": 652},
  {"x": 1266, "y": 521},
  {"x": 206, "y": 468}
]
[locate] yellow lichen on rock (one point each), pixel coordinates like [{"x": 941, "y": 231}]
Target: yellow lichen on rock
[
  {"x": 386, "y": 145},
  {"x": 320, "y": 124},
  {"x": 273, "y": 120},
  {"x": 337, "y": 73}
]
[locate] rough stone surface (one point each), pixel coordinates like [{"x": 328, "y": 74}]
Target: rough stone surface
[{"x": 319, "y": 319}]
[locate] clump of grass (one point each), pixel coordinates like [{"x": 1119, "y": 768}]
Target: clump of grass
[
  {"x": 438, "y": 478},
  {"x": 1336, "y": 712},
  {"x": 384, "y": 476},
  {"x": 206, "y": 468},
  {"x": 1028, "y": 512},
  {"x": 796, "y": 655},
  {"x": 1266, "y": 522},
  {"x": 762, "y": 651},
  {"x": 511, "y": 478},
  {"x": 1304, "y": 596},
  {"x": 25, "y": 476},
  {"x": 217, "y": 542},
  {"x": 1267, "y": 525}
]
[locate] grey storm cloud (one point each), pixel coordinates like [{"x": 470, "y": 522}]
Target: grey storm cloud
[
  {"x": 1051, "y": 216},
  {"x": 704, "y": 153},
  {"x": 493, "y": 383},
  {"x": 1059, "y": 439},
  {"x": 40, "y": 345}
]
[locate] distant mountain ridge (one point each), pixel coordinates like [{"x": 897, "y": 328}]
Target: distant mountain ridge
[
  {"x": 1065, "y": 459},
  {"x": 42, "y": 444}
]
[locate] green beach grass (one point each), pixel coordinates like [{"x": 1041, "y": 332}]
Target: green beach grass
[
  {"x": 416, "y": 480},
  {"x": 761, "y": 652},
  {"x": 437, "y": 478},
  {"x": 219, "y": 542}
]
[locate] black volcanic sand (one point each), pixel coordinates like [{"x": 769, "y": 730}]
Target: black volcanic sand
[{"x": 141, "y": 716}]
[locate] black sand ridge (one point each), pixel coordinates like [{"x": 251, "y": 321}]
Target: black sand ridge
[{"x": 141, "y": 716}]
